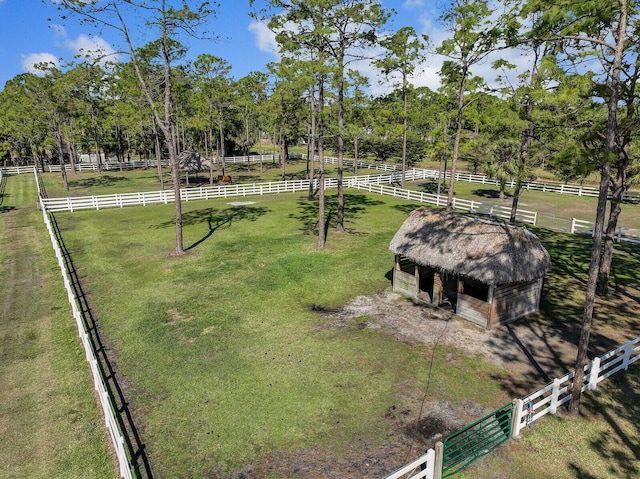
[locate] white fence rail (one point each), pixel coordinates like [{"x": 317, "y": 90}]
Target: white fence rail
[
  {"x": 98, "y": 202},
  {"x": 371, "y": 183},
  {"x": 549, "y": 187},
  {"x": 421, "y": 468},
  {"x": 109, "y": 414},
  {"x": 627, "y": 235},
  {"x": 17, "y": 170},
  {"x": 538, "y": 404},
  {"x": 471, "y": 206},
  {"x": 548, "y": 399}
]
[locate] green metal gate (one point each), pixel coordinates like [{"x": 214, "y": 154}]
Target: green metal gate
[{"x": 476, "y": 440}]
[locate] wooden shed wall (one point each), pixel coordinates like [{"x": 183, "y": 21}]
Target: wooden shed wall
[
  {"x": 474, "y": 310},
  {"x": 513, "y": 301},
  {"x": 405, "y": 283},
  {"x": 510, "y": 302}
]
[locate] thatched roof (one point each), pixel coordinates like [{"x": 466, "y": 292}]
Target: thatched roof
[{"x": 493, "y": 253}]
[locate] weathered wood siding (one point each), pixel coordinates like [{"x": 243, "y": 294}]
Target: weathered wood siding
[
  {"x": 473, "y": 309},
  {"x": 404, "y": 277},
  {"x": 510, "y": 302},
  {"x": 513, "y": 301}
]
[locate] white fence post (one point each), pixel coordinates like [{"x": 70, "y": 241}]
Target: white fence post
[
  {"x": 627, "y": 355},
  {"x": 437, "y": 463},
  {"x": 595, "y": 371},
  {"x": 553, "y": 407},
  {"x": 516, "y": 418}
]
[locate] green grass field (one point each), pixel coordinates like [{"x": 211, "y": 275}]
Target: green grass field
[
  {"x": 565, "y": 206},
  {"x": 49, "y": 420},
  {"x": 226, "y": 362}
]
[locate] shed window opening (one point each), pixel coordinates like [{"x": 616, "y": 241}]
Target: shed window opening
[
  {"x": 476, "y": 289},
  {"x": 406, "y": 265}
]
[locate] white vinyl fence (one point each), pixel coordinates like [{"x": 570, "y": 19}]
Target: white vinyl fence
[
  {"x": 557, "y": 393},
  {"x": 627, "y": 235},
  {"x": 535, "y": 406},
  {"x": 17, "y": 170},
  {"x": 377, "y": 183},
  {"x": 111, "y": 422}
]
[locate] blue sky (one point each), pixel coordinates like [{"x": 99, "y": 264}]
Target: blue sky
[{"x": 32, "y": 31}]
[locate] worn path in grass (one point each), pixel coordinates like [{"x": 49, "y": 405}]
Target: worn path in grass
[{"x": 49, "y": 423}]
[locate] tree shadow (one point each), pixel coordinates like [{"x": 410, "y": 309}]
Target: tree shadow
[
  {"x": 430, "y": 186},
  {"x": 488, "y": 193},
  {"x": 216, "y": 218},
  {"x": 104, "y": 180},
  {"x": 622, "y": 448},
  {"x": 354, "y": 206}
]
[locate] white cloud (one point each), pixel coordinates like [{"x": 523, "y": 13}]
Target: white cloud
[
  {"x": 30, "y": 61},
  {"x": 92, "y": 47},
  {"x": 413, "y": 4},
  {"x": 265, "y": 38}
]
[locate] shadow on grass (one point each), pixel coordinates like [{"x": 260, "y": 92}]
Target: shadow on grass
[
  {"x": 104, "y": 180},
  {"x": 431, "y": 186},
  {"x": 354, "y": 205},
  {"x": 216, "y": 219},
  {"x": 622, "y": 449},
  {"x": 487, "y": 193},
  {"x": 115, "y": 383},
  {"x": 557, "y": 326}
]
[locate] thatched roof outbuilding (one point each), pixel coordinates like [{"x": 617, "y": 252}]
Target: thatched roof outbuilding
[{"x": 490, "y": 252}]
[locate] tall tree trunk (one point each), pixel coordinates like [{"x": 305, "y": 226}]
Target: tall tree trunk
[
  {"x": 322, "y": 231},
  {"x": 404, "y": 129},
  {"x": 312, "y": 144},
  {"x": 527, "y": 137},
  {"x": 284, "y": 154},
  {"x": 456, "y": 142},
  {"x": 610, "y": 145},
  {"x": 72, "y": 156},
  {"x": 524, "y": 157},
  {"x": 340, "y": 217},
  {"x": 221, "y": 140},
  {"x": 63, "y": 169},
  {"x": 156, "y": 142},
  {"x": 355, "y": 154},
  {"x": 617, "y": 192}
]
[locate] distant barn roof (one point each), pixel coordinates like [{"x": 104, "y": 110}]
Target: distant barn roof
[{"x": 493, "y": 253}]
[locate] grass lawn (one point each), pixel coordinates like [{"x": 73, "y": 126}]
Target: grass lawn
[
  {"x": 225, "y": 359},
  {"x": 49, "y": 420},
  {"x": 226, "y": 362},
  {"x": 548, "y": 204}
]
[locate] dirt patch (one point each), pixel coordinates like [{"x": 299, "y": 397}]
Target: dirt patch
[
  {"x": 533, "y": 351},
  {"x": 527, "y": 348}
]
